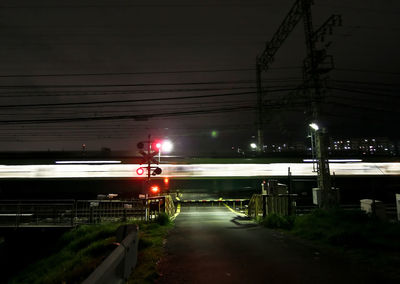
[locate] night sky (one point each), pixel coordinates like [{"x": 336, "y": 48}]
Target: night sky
[{"x": 108, "y": 73}]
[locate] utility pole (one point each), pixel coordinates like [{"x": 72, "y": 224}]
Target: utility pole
[
  {"x": 328, "y": 199},
  {"x": 317, "y": 63}
]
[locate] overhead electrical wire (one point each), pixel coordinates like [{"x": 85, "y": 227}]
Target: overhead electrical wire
[
  {"x": 365, "y": 92},
  {"x": 129, "y": 92},
  {"x": 140, "y": 117},
  {"x": 140, "y": 73},
  {"x": 134, "y": 100},
  {"x": 69, "y": 86}
]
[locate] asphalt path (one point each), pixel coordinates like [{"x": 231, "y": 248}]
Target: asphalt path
[{"x": 214, "y": 245}]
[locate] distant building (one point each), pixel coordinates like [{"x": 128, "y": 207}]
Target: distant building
[
  {"x": 299, "y": 147},
  {"x": 379, "y": 146}
]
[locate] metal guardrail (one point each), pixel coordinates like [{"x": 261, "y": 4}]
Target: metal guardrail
[{"x": 117, "y": 267}]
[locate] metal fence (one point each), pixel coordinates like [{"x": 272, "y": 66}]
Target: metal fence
[
  {"x": 17, "y": 213},
  {"x": 263, "y": 205},
  {"x": 255, "y": 208}
]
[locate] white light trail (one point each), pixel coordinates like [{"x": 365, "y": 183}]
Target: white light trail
[
  {"x": 192, "y": 170},
  {"x": 88, "y": 162},
  {"x": 335, "y": 161}
]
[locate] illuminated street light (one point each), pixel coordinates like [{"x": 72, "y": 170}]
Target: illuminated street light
[
  {"x": 253, "y": 146},
  {"x": 312, "y": 136},
  {"x": 314, "y": 126},
  {"x": 167, "y": 146}
]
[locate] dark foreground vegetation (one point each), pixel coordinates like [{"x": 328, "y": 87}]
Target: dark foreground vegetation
[
  {"x": 80, "y": 251},
  {"x": 363, "y": 238}
]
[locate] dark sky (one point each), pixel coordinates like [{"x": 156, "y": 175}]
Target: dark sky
[{"x": 58, "y": 59}]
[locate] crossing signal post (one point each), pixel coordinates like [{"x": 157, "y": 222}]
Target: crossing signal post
[
  {"x": 148, "y": 157},
  {"x": 149, "y": 149}
]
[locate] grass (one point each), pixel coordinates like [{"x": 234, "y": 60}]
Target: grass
[
  {"x": 360, "y": 236},
  {"x": 275, "y": 221},
  {"x": 81, "y": 250},
  {"x": 348, "y": 229},
  {"x": 151, "y": 243}
]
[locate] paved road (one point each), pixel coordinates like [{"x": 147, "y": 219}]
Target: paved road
[{"x": 213, "y": 245}]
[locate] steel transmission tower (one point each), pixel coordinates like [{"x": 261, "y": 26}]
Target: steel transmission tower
[
  {"x": 317, "y": 63},
  {"x": 267, "y": 57}
]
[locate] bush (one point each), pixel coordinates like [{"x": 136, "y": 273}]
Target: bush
[
  {"x": 275, "y": 221},
  {"x": 347, "y": 229},
  {"x": 163, "y": 219}
]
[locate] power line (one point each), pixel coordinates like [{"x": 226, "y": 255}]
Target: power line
[
  {"x": 364, "y": 92},
  {"x": 124, "y": 101},
  {"x": 363, "y": 107},
  {"x": 69, "y": 86},
  {"x": 124, "y": 73},
  {"x": 140, "y": 117},
  {"x": 367, "y": 83},
  {"x": 141, "y": 73},
  {"x": 127, "y": 92},
  {"x": 367, "y": 71},
  {"x": 134, "y": 100}
]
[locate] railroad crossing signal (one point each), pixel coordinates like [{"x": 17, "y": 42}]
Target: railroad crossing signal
[
  {"x": 155, "y": 189},
  {"x": 140, "y": 171},
  {"x": 148, "y": 158}
]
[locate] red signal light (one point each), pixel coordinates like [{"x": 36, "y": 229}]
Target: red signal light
[
  {"x": 154, "y": 189},
  {"x": 166, "y": 181},
  {"x": 140, "y": 171}
]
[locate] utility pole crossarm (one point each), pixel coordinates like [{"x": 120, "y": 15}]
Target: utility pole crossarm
[{"x": 289, "y": 23}]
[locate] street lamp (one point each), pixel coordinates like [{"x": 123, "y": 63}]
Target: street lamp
[
  {"x": 314, "y": 126},
  {"x": 253, "y": 146},
  {"x": 166, "y": 146}
]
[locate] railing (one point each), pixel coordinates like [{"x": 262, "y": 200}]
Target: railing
[
  {"x": 255, "y": 208},
  {"x": 262, "y": 205},
  {"x": 117, "y": 267},
  {"x": 97, "y": 211},
  {"x": 169, "y": 206},
  {"x": 30, "y": 213},
  {"x": 159, "y": 204}
]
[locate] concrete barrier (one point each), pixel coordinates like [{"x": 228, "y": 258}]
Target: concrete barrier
[
  {"x": 398, "y": 206},
  {"x": 374, "y": 207},
  {"x": 118, "y": 266}
]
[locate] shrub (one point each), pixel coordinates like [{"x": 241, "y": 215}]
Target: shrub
[
  {"x": 348, "y": 229},
  {"x": 163, "y": 219},
  {"x": 275, "y": 221}
]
